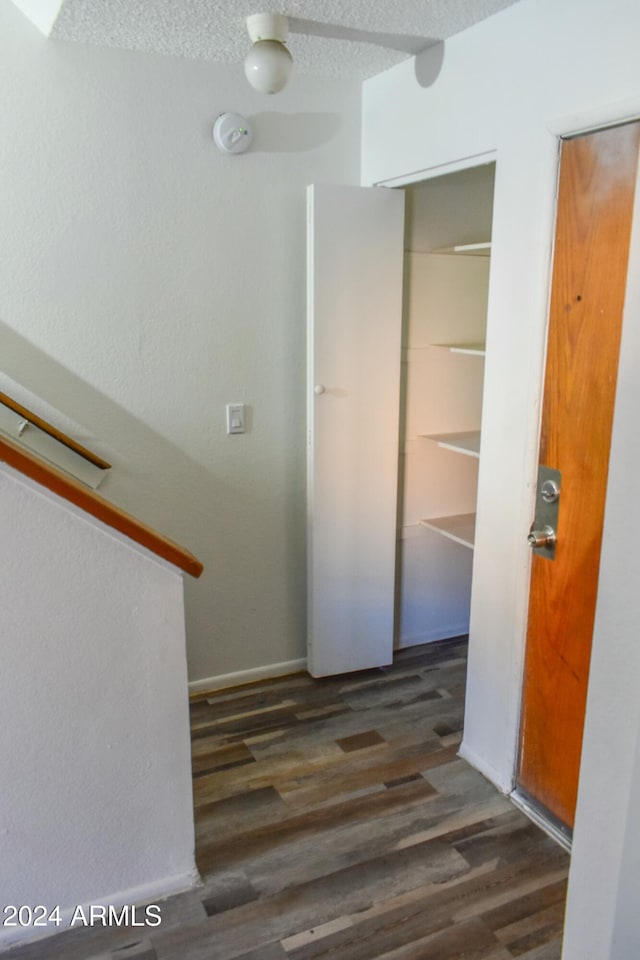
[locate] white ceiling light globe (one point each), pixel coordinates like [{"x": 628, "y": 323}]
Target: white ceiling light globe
[{"x": 268, "y": 66}]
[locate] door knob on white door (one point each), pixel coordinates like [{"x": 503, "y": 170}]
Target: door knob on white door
[{"x": 318, "y": 389}]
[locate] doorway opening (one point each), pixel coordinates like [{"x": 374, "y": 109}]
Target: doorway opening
[
  {"x": 447, "y": 247},
  {"x": 390, "y": 546},
  {"x": 598, "y": 173}
]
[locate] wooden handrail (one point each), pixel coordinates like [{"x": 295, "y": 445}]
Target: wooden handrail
[
  {"x": 92, "y": 503},
  {"x": 53, "y": 432}
]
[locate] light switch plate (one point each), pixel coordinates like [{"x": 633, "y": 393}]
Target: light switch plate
[{"x": 235, "y": 418}]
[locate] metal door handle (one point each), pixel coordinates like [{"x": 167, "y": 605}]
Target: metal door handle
[
  {"x": 319, "y": 389},
  {"x": 544, "y": 537}
]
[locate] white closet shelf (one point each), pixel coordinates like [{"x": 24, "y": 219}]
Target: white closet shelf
[
  {"x": 467, "y": 441},
  {"x": 468, "y": 249},
  {"x": 461, "y": 528},
  {"x": 477, "y": 349}
]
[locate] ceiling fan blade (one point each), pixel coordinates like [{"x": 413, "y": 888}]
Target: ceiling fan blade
[{"x": 391, "y": 41}]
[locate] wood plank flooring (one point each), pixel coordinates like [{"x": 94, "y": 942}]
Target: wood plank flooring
[{"x": 335, "y": 821}]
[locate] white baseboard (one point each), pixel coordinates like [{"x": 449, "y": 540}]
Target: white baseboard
[
  {"x": 487, "y": 771},
  {"x": 240, "y": 677},
  {"x": 457, "y": 630}
]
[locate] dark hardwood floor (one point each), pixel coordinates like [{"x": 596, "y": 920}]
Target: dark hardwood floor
[{"x": 335, "y": 821}]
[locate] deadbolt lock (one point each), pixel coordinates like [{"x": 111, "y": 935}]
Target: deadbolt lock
[
  {"x": 550, "y": 491},
  {"x": 543, "y": 534}
]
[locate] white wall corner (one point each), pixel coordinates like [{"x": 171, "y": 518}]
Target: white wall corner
[
  {"x": 496, "y": 777},
  {"x": 42, "y": 13},
  {"x": 239, "y": 677}
]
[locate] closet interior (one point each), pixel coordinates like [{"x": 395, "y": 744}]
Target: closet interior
[{"x": 446, "y": 265}]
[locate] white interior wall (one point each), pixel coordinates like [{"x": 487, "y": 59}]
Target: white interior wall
[
  {"x": 512, "y": 85},
  {"x": 149, "y": 280},
  {"x": 96, "y": 802}
]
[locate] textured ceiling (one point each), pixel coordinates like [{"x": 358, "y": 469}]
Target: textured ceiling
[{"x": 215, "y": 29}]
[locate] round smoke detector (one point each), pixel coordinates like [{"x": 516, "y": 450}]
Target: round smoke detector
[{"x": 232, "y": 133}]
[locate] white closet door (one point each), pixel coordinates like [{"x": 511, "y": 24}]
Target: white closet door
[{"x": 355, "y": 265}]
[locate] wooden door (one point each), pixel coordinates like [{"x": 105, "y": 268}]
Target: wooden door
[
  {"x": 595, "y": 199},
  {"x": 355, "y": 266}
]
